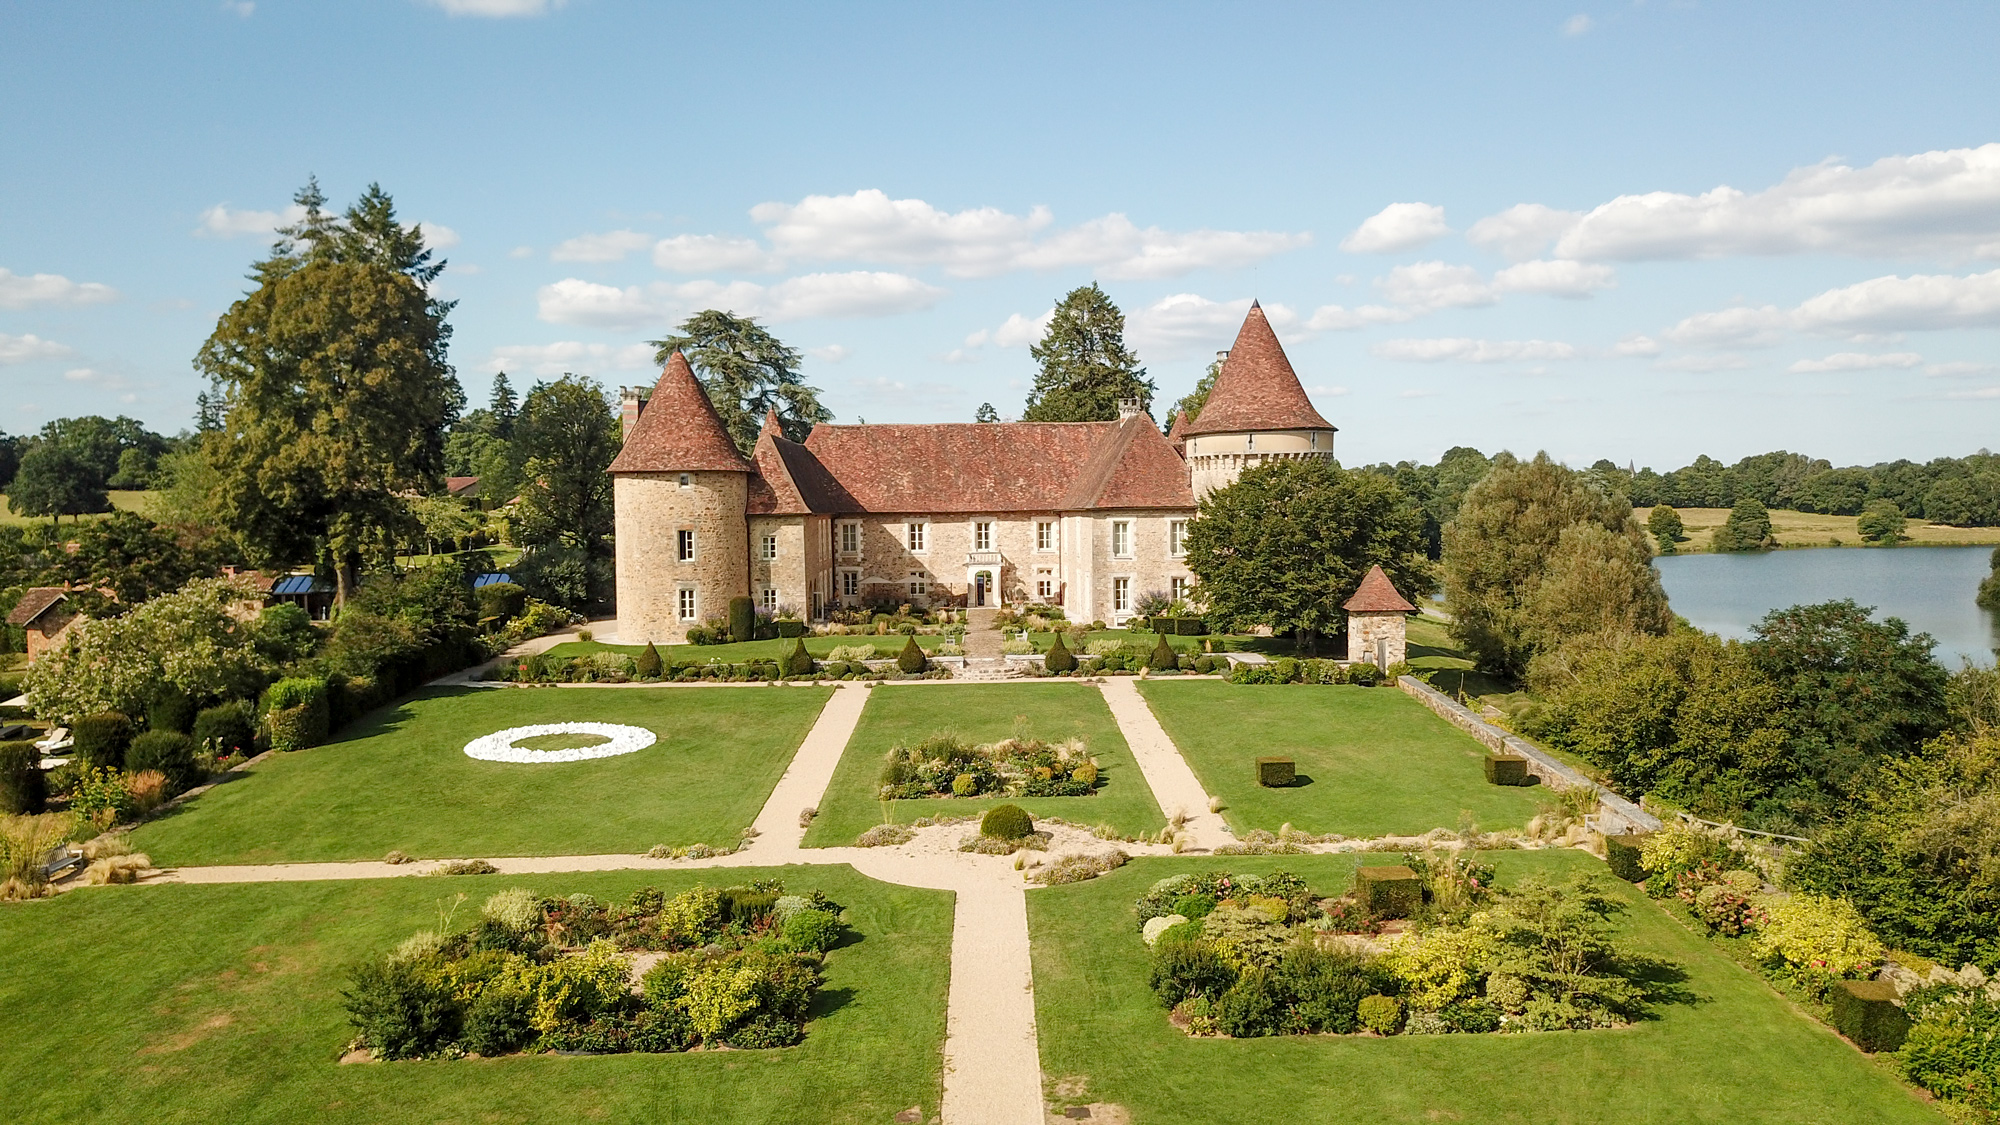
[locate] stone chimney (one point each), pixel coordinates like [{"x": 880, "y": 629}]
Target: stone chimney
[
  {"x": 1127, "y": 407},
  {"x": 630, "y": 406}
]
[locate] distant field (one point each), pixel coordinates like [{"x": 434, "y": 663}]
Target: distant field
[
  {"x": 140, "y": 502},
  {"x": 1808, "y": 529}
]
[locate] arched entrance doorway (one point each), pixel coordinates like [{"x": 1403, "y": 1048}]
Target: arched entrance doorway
[{"x": 982, "y": 587}]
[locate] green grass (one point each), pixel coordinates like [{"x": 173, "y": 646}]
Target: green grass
[
  {"x": 983, "y": 713},
  {"x": 400, "y": 779},
  {"x": 1379, "y": 763},
  {"x": 207, "y": 1004},
  {"x": 121, "y": 500},
  {"x": 1738, "y": 1053},
  {"x": 1432, "y": 650},
  {"x": 738, "y": 652}
]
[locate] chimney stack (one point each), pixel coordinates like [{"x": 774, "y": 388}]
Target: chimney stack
[
  {"x": 1127, "y": 407},
  {"x": 630, "y": 406}
]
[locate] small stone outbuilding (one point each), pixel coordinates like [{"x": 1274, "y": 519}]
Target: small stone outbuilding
[
  {"x": 1375, "y": 622},
  {"x": 43, "y": 614}
]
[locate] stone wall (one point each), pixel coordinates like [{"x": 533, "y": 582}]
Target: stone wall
[
  {"x": 1148, "y": 564},
  {"x": 651, "y": 509},
  {"x": 1216, "y": 460},
  {"x": 1364, "y": 629}
]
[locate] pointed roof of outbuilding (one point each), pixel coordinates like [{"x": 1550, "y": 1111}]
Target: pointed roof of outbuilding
[
  {"x": 1257, "y": 389},
  {"x": 679, "y": 430},
  {"x": 1377, "y": 595}
]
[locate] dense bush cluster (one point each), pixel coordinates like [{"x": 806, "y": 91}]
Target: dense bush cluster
[
  {"x": 1287, "y": 670},
  {"x": 1244, "y": 956},
  {"x": 945, "y": 765},
  {"x": 741, "y": 968},
  {"x": 1952, "y": 1047},
  {"x": 611, "y": 667}
]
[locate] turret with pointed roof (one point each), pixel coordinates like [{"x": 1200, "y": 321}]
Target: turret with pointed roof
[
  {"x": 1257, "y": 412},
  {"x": 1376, "y": 615},
  {"x": 678, "y": 430}
]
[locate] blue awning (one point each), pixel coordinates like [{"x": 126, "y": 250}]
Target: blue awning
[{"x": 491, "y": 580}]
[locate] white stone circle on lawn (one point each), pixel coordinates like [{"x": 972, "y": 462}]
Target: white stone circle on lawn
[{"x": 499, "y": 746}]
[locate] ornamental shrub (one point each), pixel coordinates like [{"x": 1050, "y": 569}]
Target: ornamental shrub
[
  {"x": 1393, "y": 891},
  {"x": 496, "y": 1023},
  {"x": 1867, "y": 1013},
  {"x": 1440, "y": 967},
  {"x": 742, "y": 619},
  {"x": 1163, "y": 658},
  {"x": 648, "y": 663},
  {"x": 1150, "y": 933},
  {"x": 1085, "y": 774},
  {"x": 812, "y": 930},
  {"x": 404, "y": 1008},
  {"x": 1250, "y": 1008},
  {"x": 296, "y": 713},
  {"x": 691, "y": 917},
  {"x": 170, "y": 710},
  {"x": 516, "y": 909},
  {"x": 1006, "y": 822},
  {"x": 911, "y": 660},
  {"x": 964, "y": 785},
  {"x": 1954, "y": 1049},
  {"x": 169, "y": 752},
  {"x": 501, "y": 600},
  {"x": 101, "y": 739},
  {"x": 1382, "y": 1015},
  {"x": 1817, "y": 940},
  {"x": 1623, "y": 855},
  {"x": 226, "y": 729},
  {"x": 23, "y": 789},
  {"x": 1184, "y": 969},
  {"x": 1364, "y": 675},
  {"x": 1059, "y": 659},
  {"x": 800, "y": 662}
]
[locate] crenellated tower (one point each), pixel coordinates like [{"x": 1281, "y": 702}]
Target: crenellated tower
[{"x": 1257, "y": 412}]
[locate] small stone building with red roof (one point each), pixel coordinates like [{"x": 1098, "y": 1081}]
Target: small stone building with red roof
[
  {"x": 1376, "y": 619},
  {"x": 1085, "y": 515}
]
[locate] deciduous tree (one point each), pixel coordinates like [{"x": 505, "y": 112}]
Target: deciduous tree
[
  {"x": 1747, "y": 529},
  {"x": 55, "y": 481},
  {"x": 1085, "y": 370},
  {"x": 1665, "y": 525}
]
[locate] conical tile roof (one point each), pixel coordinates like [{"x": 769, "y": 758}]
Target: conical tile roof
[
  {"x": 1257, "y": 388},
  {"x": 1377, "y": 595},
  {"x": 679, "y": 430}
]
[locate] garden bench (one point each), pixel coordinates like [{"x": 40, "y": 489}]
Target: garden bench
[{"x": 60, "y": 858}]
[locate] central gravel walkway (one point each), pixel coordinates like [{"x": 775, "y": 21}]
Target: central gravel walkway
[{"x": 992, "y": 1064}]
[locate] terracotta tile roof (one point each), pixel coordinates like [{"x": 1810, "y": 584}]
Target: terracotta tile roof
[
  {"x": 1377, "y": 595},
  {"x": 1257, "y": 388},
  {"x": 1177, "y": 433},
  {"x": 34, "y": 602},
  {"x": 959, "y": 466},
  {"x": 679, "y": 430},
  {"x": 460, "y": 486},
  {"x": 790, "y": 480},
  {"x": 1133, "y": 467}
]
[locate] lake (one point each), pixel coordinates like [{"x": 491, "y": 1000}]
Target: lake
[{"x": 1931, "y": 588}]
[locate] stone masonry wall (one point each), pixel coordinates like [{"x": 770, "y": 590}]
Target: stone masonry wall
[
  {"x": 1363, "y": 629},
  {"x": 1148, "y": 564},
  {"x": 651, "y": 509}
]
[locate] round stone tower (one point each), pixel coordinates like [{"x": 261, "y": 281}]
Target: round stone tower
[
  {"x": 1257, "y": 412},
  {"x": 681, "y": 494}
]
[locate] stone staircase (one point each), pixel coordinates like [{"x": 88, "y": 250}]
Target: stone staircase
[{"x": 983, "y": 660}]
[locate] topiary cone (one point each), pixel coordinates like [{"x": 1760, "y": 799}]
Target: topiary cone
[
  {"x": 1059, "y": 658},
  {"x": 1163, "y": 658},
  {"x": 800, "y": 662},
  {"x": 648, "y": 662}
]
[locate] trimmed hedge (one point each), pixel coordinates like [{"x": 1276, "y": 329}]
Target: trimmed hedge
[
  {"x": 788, "y": 628},
  {"x": 1389, "y": 892},
  {"x": 1507, "y": 769},
  {"x": 1006, "y": 822},
  {"x": 296, "y": 713},
  {"x": 229, "y": 728},
  {"x": 1866, "y": 1012},
  {"x": 742, "y": 619},
  {"x": 23, "y": 789},
  {"x": 1621, "y": 854},
  {"x": 503, "y": 600},
  {"x": 1277, "y": 773},
  {"x": 911, "y": 660},
  {"x": 101, "y": 739},
  {"x": 170, "y": 752}
]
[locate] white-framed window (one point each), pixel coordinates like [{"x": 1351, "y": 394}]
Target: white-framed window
[
  {"x": 767, "y": 599},
  {"x": 982, "y": 536},
  {"x": 687, "y": 603},
  {"x": 1045, "y": 535},
  {"x": 684, "y": 545},
  {"x": 1121, "y": 595},
  {"x": 1177, "y": 537},
  {"x": 850, "y": 583},
  {"x": 1178, "y": 588},
  {"x": 914, "y": 536},
  {"x": 767, "y": 548},
  {"x": 920, "y": 583},
  {"x": 1045, "y": 586},
  {"x": 687, "y": 480},
  {"x": 1121, "y": 539},
  {"x": 850, "y": 539}
]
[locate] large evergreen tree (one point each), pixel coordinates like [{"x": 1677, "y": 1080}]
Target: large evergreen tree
[
  {"x": 1085, "y": 370},
  {"x": 335, "y": 389},
  {"x": 747, "y": 372},
  {"x": 1291, "y": 540}
]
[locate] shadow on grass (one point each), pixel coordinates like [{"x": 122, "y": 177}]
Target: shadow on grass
[{"x": 829, "y": 1001}]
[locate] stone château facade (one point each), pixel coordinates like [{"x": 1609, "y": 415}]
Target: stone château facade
[{"x": 1086, "y": 515}]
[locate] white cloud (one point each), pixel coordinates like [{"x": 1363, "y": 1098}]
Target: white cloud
[
  {"x": 1944, "y": 202},
  {"x": 25, "y": 349},
  {"x": 1702, "y": 363},
  {"x": 830, "y": 353},
  {"x": 1188, "y": 322},
  {"x": 437, "y": 236},
  {"x": 710, "y": 253},
  {"x": 521, "y": 252},
  {"x": 611, "y": 246},
  {"x": 1521, "y": 231},
  {"x": 220, "y": 221},
  {"x": 856, "y": 294},
  {"x": 18, "y": 291},
  {"x": 1399, "y": 226},
  {"x": 1855, "y": 361},
  {"x": 1330, "y": 392},
  {"x": 868, "y": 226},
  {"x": 1462, "y": 350},
  {"x": 81, "y": 375},
  {"x": 1338, "y": 318},
  {"x": 960, "y": 355},
  {"x": 243, "y": 8},
  {"x": 1016, "y": 332},
  {"x": 1435, "y": 285},
  {"x": 569, "y": 356},
  {"x": 499, "y": 9},
  {"x": 1898, "y": 304},
  {"x": 1558, "y": 278},
  {"x": 1732, "y": 328},
  {"x": 1577, "y": 25},
  {"x": 1960, "y": 369},
  {"x": 1983, "y": 392},
  {"x": 1636, "y": 346}
]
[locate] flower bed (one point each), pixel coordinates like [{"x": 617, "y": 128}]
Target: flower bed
[
  {"x": 614, "y": 739},
  {"x": 945, "y": 765},
  {"x": 1243, "y": 955},
  {"x": 738, "y": 967}
]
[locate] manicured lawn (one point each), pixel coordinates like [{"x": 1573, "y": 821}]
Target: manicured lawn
[
  {"x": 886, "y": 647},
  {"x": 400, "y": 779},
  {"x": 983, "y": 713},
  {"x": 1372, "y": 761},
  {"x": 1432, "y": 650},
  {"x": 209, "y": 1004},
  {"x": 1738, "y": 1053}
]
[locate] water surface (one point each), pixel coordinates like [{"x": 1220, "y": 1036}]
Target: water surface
[{"x": 1931, "y": 588}]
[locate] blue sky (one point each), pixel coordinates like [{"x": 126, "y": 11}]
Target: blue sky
[{"x": 1637, "y": 231}]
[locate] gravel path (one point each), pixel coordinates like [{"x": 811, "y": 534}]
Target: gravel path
[{"x": 1173, "y": 782}]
